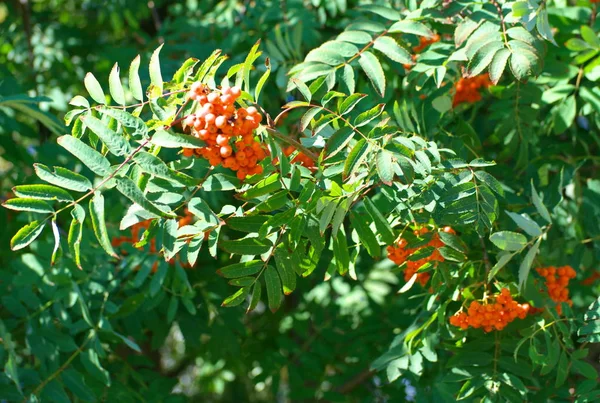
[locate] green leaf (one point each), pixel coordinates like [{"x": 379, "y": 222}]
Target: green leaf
[
  {"x": 256, "y": 294},
  {"x": 136, "y": 125},
  {"x": 308, "y": 117},
  {"x": 97, "y": 214},
  {"x": 273, "y": 285},
  {"x": 565, "y": 113},
  {"x": 553, "y": 353},
  {"x": 389, "y": 47},
  {"x": 366, "y": 235},
  {"x": 349, "y": 103},
  {"x": 220, "y": 182},
  {"x": 585, "y": 369},
  {"x": 115, "y": 143},
  {"x": 202, "y": 210},
  {"x": 155, "y": 166},
  {"x": 589, "y": 36},
  {"x": 410, "y": 27},
  {"x": 285, "y": 270},
  {"x": 28, "y": 204},
  {"x": 247, "y": 246},
  {"x": 522, "y": 63},
  {"x": 242, "y": 281},
  {"x": 327, "y": 215},
  {"x": 27, "y": 235},
  {"x": 115, "y": 86},
  {"x": 303, "y": 88},
  {"x": 543, "y": 26},
  {"x": 75, "y": 233},
  {"x": 95, "y": 161},
  {"x": 93, "y": 88},
  {"x": 367, "y": 116},
  {"x": 503, "y": 259},
  {"x": 75, "y": 383},
  {"x": 155, "y": 74},
  {"x": 78, "y": 100},
  {"x": 489, "y": 180},
  {"x": 562, "y": 370},
  {"x": 382, "y": 11},
  {"x": 527, "y": 262},
  {"x": 358, "y": 37},
  {"x": 539, "y": 205},
  {"x": 451, "y": 240},
  {"x": 253, "y": 54},
  {"x": 383, "y": 227},
  {"x": 356, "y": 156},
  {"x": 252, "y": 223},
  {"x": 43, "y": 192},
  {"x": 340, "y": 252},
  {"x": 385, "y": 167},
  {"x": 169, "y": 235},
  {"x": 508, "y": 241},
  {"x": 262, "y": 80},
  {"x": 91, "y": 363},
  {"x": 348, "y": 78},
  {"x": 408, "y": 285},
  {"x": 526, "y": 224},
  {"x": 236, "y": 298},
  {"x": 135, "y": 85},
  {"x": 483, "y": 57},
  {"x": 577, "y": 45},
  {"x": 56, "y": 233},
  {"x": 339, "y": 140},
  {"x": 498, "y": 65},
  {"x": 372, "y": 68},
  {"x": 166, "y": 139},
  {"x": 63, "y": 177},
  {"x": 129, "y": 189},
  {"x": 185, "y": 71},
  {"x": 265, "y": 186}
]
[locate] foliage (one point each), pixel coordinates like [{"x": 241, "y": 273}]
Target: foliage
[{"x": 459, "y": 137}]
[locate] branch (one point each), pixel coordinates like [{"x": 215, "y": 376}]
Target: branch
[{"x": 356, "y": 381}]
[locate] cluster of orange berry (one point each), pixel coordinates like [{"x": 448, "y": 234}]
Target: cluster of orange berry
[
  {"x": 399, "y": 254},
  {"x": 467, "y": 89},
  {"x": 227, "y": 131},
  {"x": 557, "y": 282},
  {"x": 491, "y": 316},
  {"x": 136, "y": 234},
  {"x": 300, "y": 158},
  {"x": 423, "y": 43}
]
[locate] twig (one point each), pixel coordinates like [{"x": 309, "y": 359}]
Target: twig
[
  {"x": 42, "y": 385},
  {"x": 502, "y": 23}
]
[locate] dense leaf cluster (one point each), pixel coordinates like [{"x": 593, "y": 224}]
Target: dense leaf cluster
[{"x": 365, "y": 92}]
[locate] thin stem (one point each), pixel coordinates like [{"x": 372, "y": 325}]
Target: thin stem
[
  {"x": 502, "y": 22},
  {"x": 66, "y": 364},
  {"x": 286, "y": 139}
]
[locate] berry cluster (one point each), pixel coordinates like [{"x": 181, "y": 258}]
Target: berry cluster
[
  {"x": 423, "y": 43},
  {"x": 491, "y": 316},
  {"x": 467, "y": 89},
  {"x": 399, "y": 254},
  {"x": 227, "y": 131},
  {"x": 557, "y": 282},
  {"x": 136, "y": 234},
  {"x": 300, "y": 158}
]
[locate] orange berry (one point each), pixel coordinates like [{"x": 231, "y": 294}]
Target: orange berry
[{"x": 225, "y": 151}]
